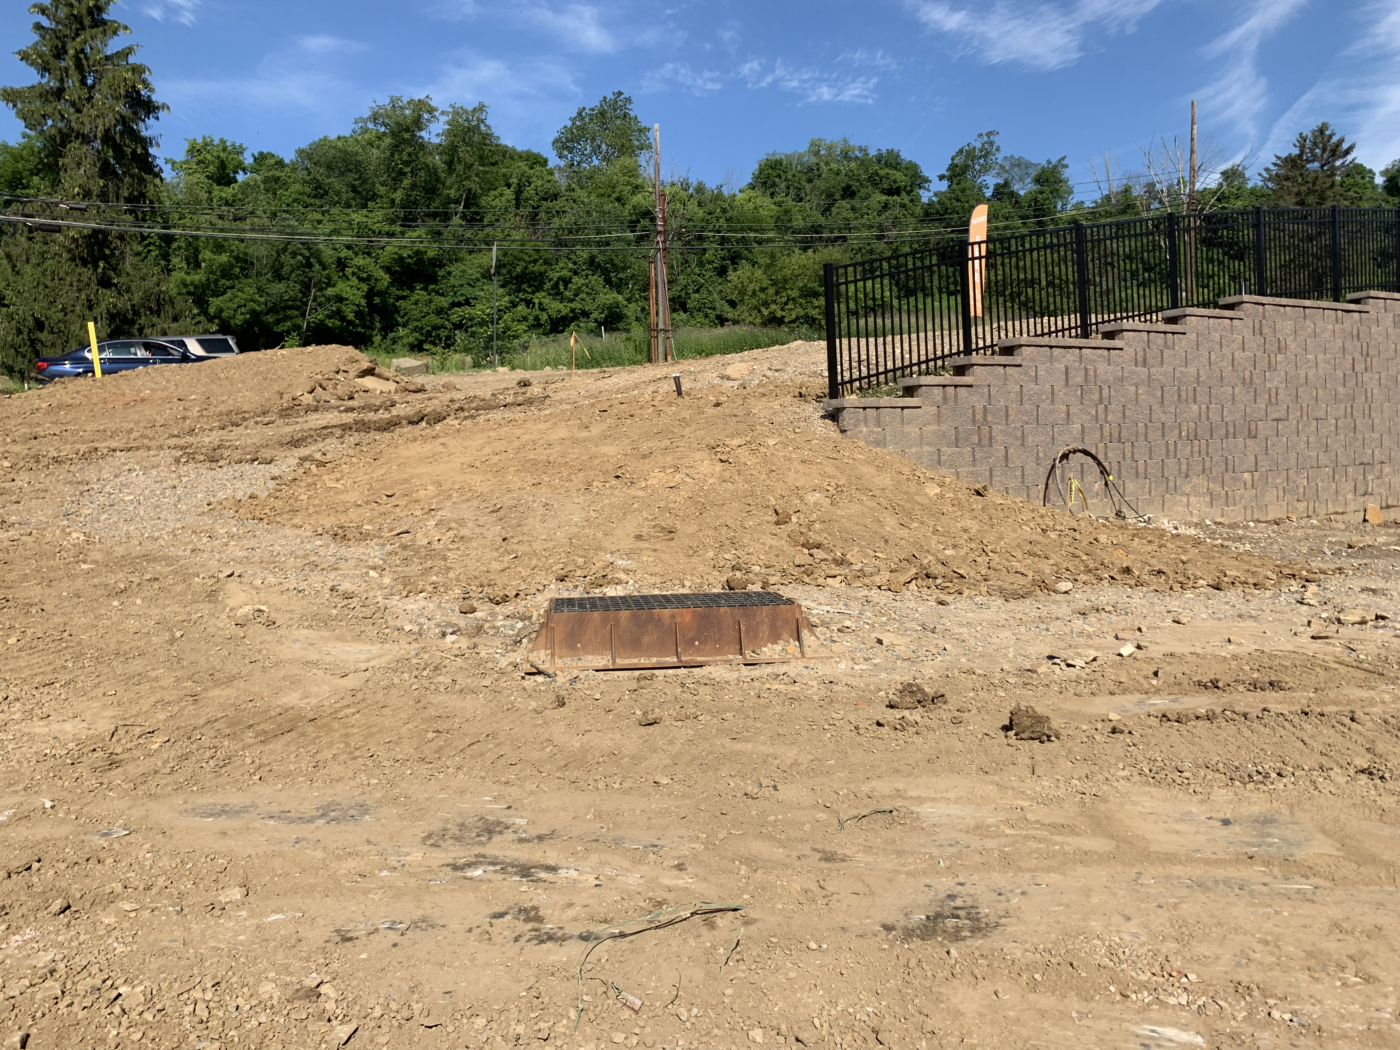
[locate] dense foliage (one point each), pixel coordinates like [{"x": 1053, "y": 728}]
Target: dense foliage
[{"x": 381, "y": 237}]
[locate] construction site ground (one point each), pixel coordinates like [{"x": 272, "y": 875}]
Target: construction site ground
[{"x": 275, "y": 772}]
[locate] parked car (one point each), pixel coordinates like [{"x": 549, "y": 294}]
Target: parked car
[
  {"x": 116, "y": 355},
  {"x": 203, "y": 345}
]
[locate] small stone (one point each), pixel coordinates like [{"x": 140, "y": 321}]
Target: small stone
[
  {"x": 467, "y": 608},
  {"x": 17, "y": 1041},
  {"x": 811, "y": 946},
  {"x": 1182, "y": 618},
  {"x": 312, "y": 981},
  {"x": 738, "y": 583},
  {"x": 341, "y": 1035},
  {"x": 661, "y": 781},
  {"x": 756, "y": 1036},
  {"x": 1063, "y": 587},
  {"x": 1127, "y": 650},
  {"x": 408, "y": 366},
  {"x": 59, "y": 906},
  {"x": 236, "y": 893},
  {"x": 1373, "y": 515},
  {"x": 649, "y": 718},
  {"x": 619, "y": 1037},
  {"x": 128, "y": 906},
  {"x": 1355, "y": 616}
]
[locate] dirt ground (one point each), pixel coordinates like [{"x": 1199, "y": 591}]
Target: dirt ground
[{"x": 275, "y": 774}]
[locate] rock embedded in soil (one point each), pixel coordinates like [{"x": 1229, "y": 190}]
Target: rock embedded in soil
[
  {"x": 1029, "y": 724},
  {"x": 911, "y": 696}
]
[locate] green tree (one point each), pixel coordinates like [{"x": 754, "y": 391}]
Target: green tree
[
  {"x": 91, "y": 110},
  {"x": 21, "y": 167},
  {"x": 1314, "y": 174},
  {"x": 1390, "y": 181},
  {"x": 598, "y": 135},
  {"x": 88, "y": 119}
]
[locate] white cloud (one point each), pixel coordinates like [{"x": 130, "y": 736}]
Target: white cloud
[
  {"x": 181, "y": 11},
  {"x": 578, "y": 26},
  {"x": 814, "y": 85},
  {"x": 330, "y": 45},
  {"x": 1241, "y": 93},
  {"x": 1042, "y": 36},
  {"x": 681, "y": 75},
  {"x": 1358, "y": 92}
]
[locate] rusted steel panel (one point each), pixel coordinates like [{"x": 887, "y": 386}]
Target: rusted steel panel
[{"x": 669, "y": 630}]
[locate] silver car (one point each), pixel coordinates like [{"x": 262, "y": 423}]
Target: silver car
[{"x": 204, "y": 345}]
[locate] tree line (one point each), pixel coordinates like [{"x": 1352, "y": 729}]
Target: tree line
[{"x": 381, "y": 237}]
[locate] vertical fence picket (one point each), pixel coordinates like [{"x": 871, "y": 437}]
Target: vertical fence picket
[{"x": 1261, "y": 256}]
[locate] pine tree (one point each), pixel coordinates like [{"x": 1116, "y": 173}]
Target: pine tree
[
  {"x": 88, "y": 120},
  {"x": 1311, "y": 176},
  {"x": 91, "y": 109}
]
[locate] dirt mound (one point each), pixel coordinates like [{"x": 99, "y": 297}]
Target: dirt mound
[{"x": 730, "y": 486}]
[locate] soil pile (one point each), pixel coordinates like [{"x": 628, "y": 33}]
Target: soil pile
[{"x": 732, "y": 485}]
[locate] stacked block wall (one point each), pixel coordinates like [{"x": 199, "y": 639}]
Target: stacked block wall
[{"x": 1263, "y": 408}]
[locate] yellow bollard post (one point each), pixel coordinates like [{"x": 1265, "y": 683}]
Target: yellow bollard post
[{"x": 96, "y": 359}]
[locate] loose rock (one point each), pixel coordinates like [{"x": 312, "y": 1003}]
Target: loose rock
[{"x": 1029, "y": 724}]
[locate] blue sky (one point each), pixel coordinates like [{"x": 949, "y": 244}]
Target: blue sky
[{"x": 730, "y": 81}]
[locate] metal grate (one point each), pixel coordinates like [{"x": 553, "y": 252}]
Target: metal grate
[{"x": 641, "y": 602}]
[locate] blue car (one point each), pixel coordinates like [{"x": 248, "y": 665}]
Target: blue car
[{"x": 116, "y": 355}]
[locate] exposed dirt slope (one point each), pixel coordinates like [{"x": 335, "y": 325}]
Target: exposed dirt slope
[{"x": 265, "y": 783}]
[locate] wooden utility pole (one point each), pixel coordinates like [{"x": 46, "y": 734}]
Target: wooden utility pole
[
  {"x": 1191, "y": 213},
  {"x": 661, "y": 347}
]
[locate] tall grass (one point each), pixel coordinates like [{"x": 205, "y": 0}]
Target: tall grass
[{"x": 615, "y": 350}]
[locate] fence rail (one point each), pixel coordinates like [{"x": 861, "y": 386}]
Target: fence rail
[{"x": 906, "y": 314}]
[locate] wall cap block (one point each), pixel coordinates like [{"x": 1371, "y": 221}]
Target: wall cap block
[
  {"x": 1361, "y": 296},
  {"x": 1143, "y": 326},
  {"x": 1227, "y": 315},
  {"x": 919, "y": 382},
  {"x": 1032, "y": 341},
  {"x": 836, "y": 404},
  {"x": 1311, "y": 304}
]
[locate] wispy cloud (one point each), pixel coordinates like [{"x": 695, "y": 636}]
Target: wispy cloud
[
  {"x": 182, "y": 11},
  {"x": 681, "y": 75},
  {"x": 1358, "y": 92},
  {"x": 1040, "y": 36},
  {"x": 330, "y": 45},
  {"x": 1241, "y": 92},
  {"x": 577, "y": 26},
  {"x": 812, "y": 84}
]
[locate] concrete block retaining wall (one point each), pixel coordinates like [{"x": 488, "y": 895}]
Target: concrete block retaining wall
[{"x": 1259, "y": 409}]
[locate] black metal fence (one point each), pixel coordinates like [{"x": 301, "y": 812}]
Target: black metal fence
[{"x": 906, "y": 314}]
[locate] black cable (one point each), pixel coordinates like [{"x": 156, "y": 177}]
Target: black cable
[{"x": 1115, "y": 494}]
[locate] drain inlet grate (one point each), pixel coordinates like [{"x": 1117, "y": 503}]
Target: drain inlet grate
[{"x": 645, "y": 602}]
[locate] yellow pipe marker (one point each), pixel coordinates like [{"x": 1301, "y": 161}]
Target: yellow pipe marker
[{"x": 96, "y": 359}]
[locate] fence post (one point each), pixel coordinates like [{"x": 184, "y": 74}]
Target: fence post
[
  {"x": 1336, "y": 253},
  {"x": 965, "y": 296},
  {"x": 1173, "y": 264},
  {"x": 1397, "y": 249},
  {"x": 1081, "y": 277},
  {"x": 1261, "y": 259},
  {"x": 833, "y": 362}
]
